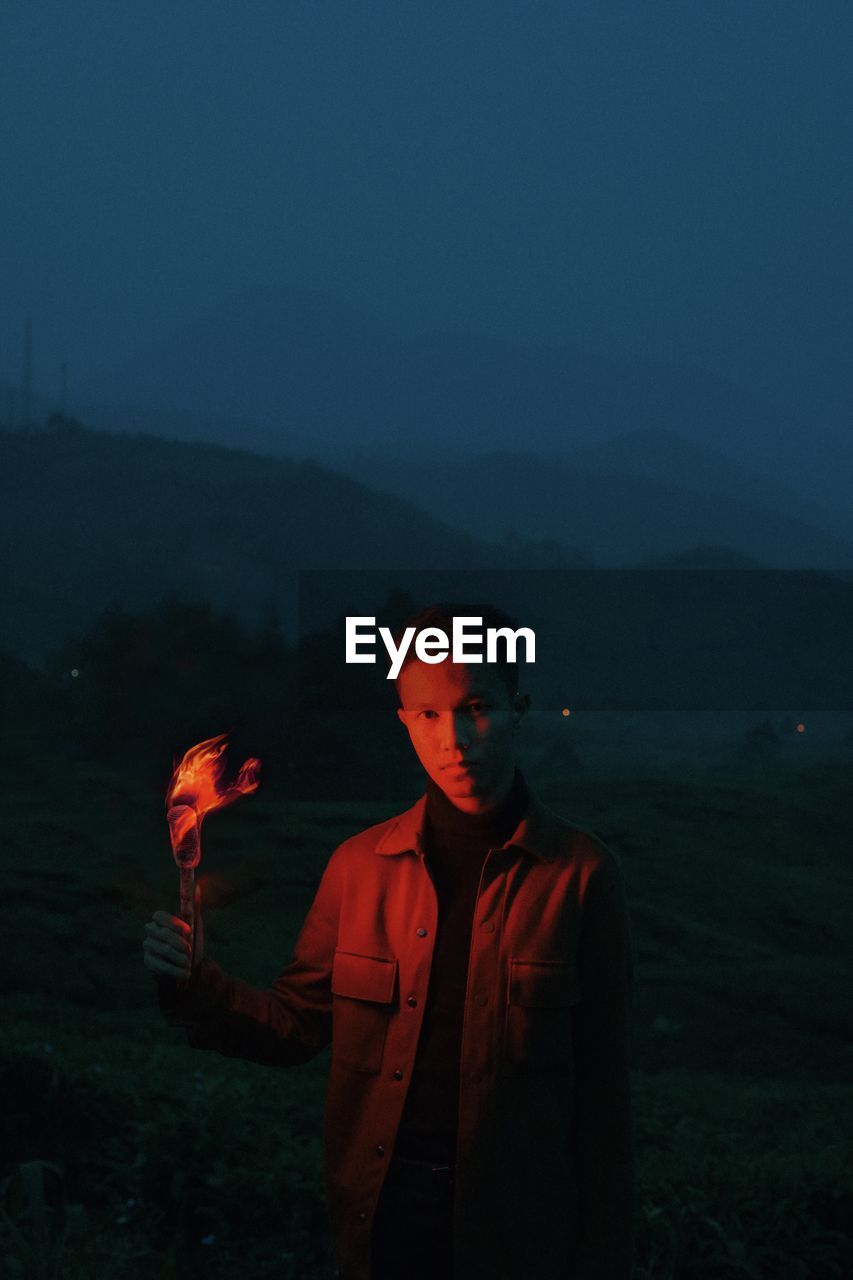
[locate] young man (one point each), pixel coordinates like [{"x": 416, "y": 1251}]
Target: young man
[{"x": 471, "y": 963}]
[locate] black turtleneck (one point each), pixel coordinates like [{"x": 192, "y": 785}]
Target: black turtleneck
[{"x": 455, "y": 847}]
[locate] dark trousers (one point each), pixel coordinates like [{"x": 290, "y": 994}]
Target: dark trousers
[{"x": 413, "y": 1228}]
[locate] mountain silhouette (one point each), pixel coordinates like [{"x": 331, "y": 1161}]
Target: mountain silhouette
[
  {"x": 300, "y": 371},
  {"x": 618, "y": 512},
  {"x": 93, "y": 518}
]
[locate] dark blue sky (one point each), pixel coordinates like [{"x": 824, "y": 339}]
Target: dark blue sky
[{"x": 663, "y": 179}]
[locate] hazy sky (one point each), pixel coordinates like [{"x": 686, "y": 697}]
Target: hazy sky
[{"x": 671, "y": 179}]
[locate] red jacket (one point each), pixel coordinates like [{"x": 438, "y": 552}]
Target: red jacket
[{"x": 545, "y": 1161}]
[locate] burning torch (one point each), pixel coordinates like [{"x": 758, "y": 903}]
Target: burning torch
[{"x": 195, "y": 788}]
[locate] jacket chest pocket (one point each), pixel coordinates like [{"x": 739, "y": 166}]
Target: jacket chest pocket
[
  {"x": 540, "y": 997},
  {"x": 363, "y": 994}
]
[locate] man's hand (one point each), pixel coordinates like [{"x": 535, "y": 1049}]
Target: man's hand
[{"x": 167, "y": 944}]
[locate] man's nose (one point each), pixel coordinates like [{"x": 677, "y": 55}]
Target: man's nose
[{"x": 455, "y": 732}]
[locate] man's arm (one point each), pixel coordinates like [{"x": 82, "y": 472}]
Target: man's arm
[
  {"x": 282, "y": 1026},
  {"x": 604, "y": 1127}
]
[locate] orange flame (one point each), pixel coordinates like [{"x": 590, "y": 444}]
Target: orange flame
[{"x": 196, "y": 788}]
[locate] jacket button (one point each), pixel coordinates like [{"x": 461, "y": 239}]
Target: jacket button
[
  {"x": 412, "y": 1002},
  {"x": 489, "y": 927},
  {"x": 380, "y": 1150},
  {"x": 422, "y": 932},
  {"x": 362, "y": 1217},
  {"x": 398, "y": 1075}
]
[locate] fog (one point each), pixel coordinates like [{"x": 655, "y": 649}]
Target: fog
[{"x": 663, "y": 187}]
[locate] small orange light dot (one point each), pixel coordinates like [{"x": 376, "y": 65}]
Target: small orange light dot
[
  {"x": 566, "y": 711},
  {"x": 801, "y": 728}
]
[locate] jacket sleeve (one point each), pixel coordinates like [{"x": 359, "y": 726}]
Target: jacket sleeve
[
  {"x": 282, "y": 1026},
  {"x": 604, "y": 1133}
]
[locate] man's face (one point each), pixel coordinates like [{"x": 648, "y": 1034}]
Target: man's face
[{"x": 462, "y": 721}]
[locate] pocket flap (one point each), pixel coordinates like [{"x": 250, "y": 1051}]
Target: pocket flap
[
  {"x": 363, "y": 977},
  {"x": 548, "y": 984}
]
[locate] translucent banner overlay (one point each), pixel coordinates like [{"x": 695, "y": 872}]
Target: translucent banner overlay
[{"x": 660, "y": 640}]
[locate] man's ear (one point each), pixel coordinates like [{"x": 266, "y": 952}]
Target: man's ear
[{"x": 401, "y": 715}]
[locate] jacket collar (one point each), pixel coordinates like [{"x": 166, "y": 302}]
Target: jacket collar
[{"x": 536, "y": 833}]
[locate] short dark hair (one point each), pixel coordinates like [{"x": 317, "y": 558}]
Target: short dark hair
[{"x": 442, "y": 615}]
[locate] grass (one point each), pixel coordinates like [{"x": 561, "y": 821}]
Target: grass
[{"x": 125, "y": 1152}]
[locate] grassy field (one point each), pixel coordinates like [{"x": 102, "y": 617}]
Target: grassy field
[{"x": 127, "y": 1154}]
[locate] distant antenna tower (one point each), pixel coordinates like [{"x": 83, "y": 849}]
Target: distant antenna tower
[{"x": 27, "y": 376}]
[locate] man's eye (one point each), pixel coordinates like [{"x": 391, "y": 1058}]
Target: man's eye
[
  {"x": 426, "y": 715},
  {"x": 477, "y": 708}
]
